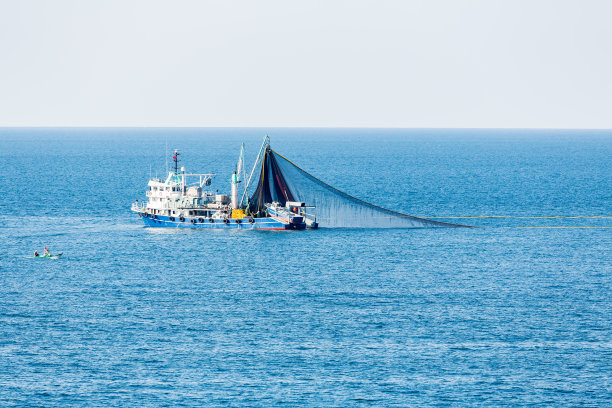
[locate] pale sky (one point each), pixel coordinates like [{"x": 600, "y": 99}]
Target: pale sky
[{"x": 429, "y": 63}]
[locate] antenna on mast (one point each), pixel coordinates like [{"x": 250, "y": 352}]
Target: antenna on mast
[
  {"x": 176, "y": 161},
  {"x": 240, "y": 165},
  {"x": 242, "y": 153}
]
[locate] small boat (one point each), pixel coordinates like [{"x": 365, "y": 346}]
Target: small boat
[{"x": 49, "y": 256}]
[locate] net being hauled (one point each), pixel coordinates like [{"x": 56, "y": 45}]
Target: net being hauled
[{"x": 280, "y": 181}]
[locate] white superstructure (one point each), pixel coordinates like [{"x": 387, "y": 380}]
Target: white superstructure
[{"x": 175, "y": 197}]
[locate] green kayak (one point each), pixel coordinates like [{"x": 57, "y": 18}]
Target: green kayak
[{"x": 49, "y": 256}]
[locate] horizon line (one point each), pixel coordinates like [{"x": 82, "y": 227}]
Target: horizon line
[{"x": 300, "y": 127}]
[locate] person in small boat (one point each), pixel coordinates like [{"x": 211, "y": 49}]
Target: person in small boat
[
  {"x": 47, "y": 253},
  {"x": 36, "y": 255}
]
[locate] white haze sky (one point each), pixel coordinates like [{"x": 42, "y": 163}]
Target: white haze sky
[{"x": 429, "y": 63}]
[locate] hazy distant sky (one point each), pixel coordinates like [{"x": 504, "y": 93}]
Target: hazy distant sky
[{"x": 429, "y": 63}]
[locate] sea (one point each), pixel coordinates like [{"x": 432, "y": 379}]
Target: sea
[{"x": 517, "y": 312}]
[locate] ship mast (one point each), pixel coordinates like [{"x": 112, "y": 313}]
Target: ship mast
[
  {"x": 175, "y": 158},
  {"x": 266, "y": 143},
  {"x": 236, "y": 178}
]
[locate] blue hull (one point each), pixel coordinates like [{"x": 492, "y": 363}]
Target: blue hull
[{"x": 258, "y": 223}]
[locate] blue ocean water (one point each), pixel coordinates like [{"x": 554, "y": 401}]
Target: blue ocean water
[{"x": 518, "y": 313}]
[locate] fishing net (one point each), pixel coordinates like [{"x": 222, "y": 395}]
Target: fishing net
[{"x": 280, "y": 181}]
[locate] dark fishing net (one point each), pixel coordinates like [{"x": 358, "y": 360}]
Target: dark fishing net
[{"x": 281, "y": 181}]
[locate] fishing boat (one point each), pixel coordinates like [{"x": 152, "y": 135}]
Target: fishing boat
[
  {"x": 181, "y": 200},
  {"x": 285, "y": 197}
]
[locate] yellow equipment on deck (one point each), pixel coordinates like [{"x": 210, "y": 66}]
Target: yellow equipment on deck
[{"x": 238, "y": 214}]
